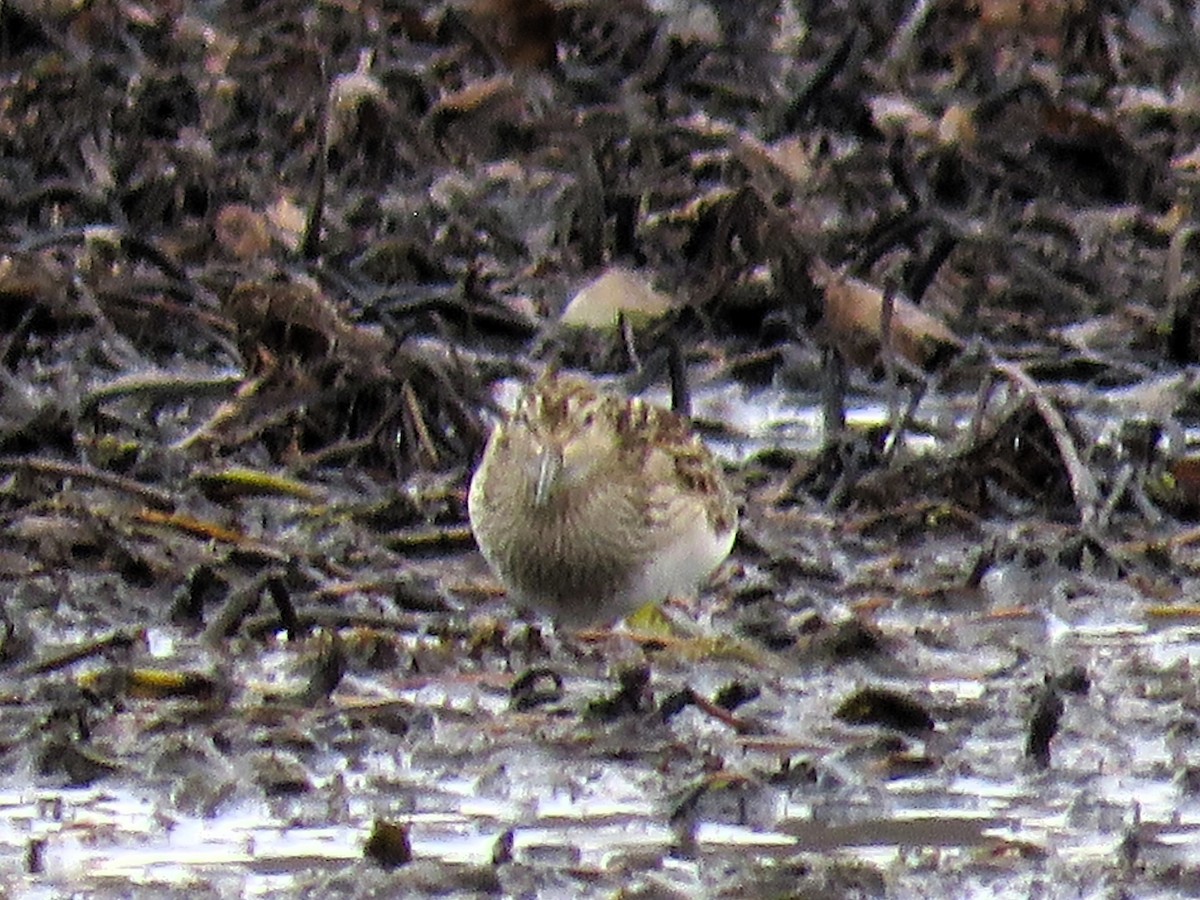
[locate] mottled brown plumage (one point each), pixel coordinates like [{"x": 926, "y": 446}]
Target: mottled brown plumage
[{"x": 588, "y": 505}]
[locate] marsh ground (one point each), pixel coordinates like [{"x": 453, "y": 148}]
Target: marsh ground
[{"x": 266, "y": 270}]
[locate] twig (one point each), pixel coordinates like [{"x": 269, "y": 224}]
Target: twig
[
  {"x": 238, "y": 605},
  {"x": 833, "y": 395},
  {"x": 310, "y": 242},
  {"x": 157, "y": 385},
  {"x": 1083, "y": 485},
  {"x": 118, "y": 640},
  {"x": 901, "y": 46},
  {"x": 681, "y": 394},
  {"x": 225, "y": 413},
  {"x": 259, "y": 626},
  {"x": 420, "y": 428},
  {"x": 887, "y": 355},
  {"x": 626, "y": 328},
  {"x": 61, "y": 469}
]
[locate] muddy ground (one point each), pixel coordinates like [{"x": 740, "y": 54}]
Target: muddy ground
[{"x": 269, "y": 271}]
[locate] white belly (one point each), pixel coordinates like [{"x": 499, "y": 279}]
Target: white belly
[{"x": 682, "y": 566}]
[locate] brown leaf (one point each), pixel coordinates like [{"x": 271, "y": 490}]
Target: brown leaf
[
  {"x": 1041, "y": 17},
  {"x": 295, "y": 319},
  {"x": 1186, "y": 474},
  {"x": 523, "y": 32},
  {"x": 31, "y": 282},
  {"x": 853, "y": 317},
  {"x": 242, "y": 232},
  {"x": 475, "y": 96},
  {"x": 1040, "y": 24}
]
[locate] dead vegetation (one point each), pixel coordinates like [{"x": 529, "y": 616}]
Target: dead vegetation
[{"x": 262, "y": 263}]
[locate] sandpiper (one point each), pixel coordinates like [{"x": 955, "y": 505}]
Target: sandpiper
[{"x": 588, "y": 506}]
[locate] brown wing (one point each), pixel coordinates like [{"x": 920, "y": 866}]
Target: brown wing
[{"x": 674, "y": 455}]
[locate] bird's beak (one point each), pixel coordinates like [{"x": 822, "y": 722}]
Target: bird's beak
[{"x": 550, "y": 466}]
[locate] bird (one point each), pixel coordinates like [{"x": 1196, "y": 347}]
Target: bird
[{"x": 588, "y": 505}]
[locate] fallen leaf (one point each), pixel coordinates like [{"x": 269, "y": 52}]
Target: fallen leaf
[
  {"x": 853, "y": 316},
  {"x": 242, "y": 232},
  {"x": 617, "y": 292}
]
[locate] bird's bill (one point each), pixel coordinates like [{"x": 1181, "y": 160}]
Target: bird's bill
[{"x": 550, "y": 465}]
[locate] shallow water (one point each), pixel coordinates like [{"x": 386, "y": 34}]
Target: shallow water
[{"x": 590, "y": 806}]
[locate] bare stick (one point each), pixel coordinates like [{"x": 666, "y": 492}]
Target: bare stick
[{"x": 1083, "y": 485}]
